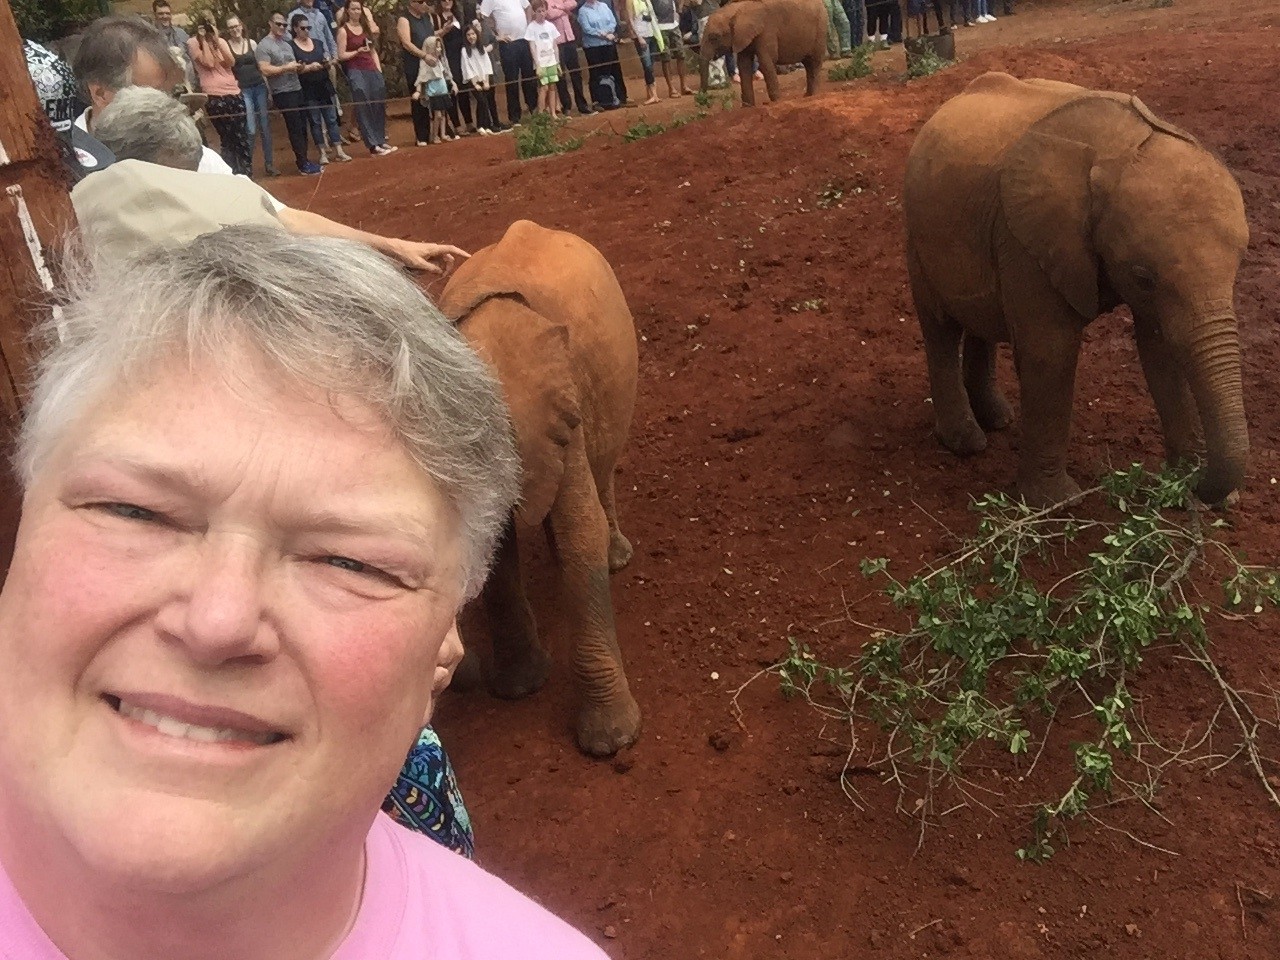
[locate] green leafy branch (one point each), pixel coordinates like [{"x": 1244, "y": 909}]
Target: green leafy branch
[{"x": 1003, "y": 641}]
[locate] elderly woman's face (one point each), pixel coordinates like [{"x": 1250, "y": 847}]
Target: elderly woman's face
[{"x": 221, "y": 627}]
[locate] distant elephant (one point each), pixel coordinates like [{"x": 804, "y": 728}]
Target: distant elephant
[
  {"x": 775, "y": 31},
  {"x": 544, "y": 309},
  {"x": 1032, "y": 207}
]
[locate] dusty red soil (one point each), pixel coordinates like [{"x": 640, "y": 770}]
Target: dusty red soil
[{"x": 772, "y": 449}]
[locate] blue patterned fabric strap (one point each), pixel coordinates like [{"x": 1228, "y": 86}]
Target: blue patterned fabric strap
[{"x": 426, "y": 797}]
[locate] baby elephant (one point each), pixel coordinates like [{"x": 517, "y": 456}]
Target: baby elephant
[
  {"x": 1034, "y": 206},
  {"x": 544, "y": 309},
  {"x": 775, "y": 31}
]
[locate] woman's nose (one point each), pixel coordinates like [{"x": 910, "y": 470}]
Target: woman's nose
[{"x": 218, "y": 615}]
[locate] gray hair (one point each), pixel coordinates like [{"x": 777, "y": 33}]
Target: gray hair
[
  {"x": 145, "y": 124},
  {"x": 108, "y": 48},
  {"x": 329, "y": 314}
]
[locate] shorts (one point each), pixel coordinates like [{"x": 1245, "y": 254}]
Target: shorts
[
  {"x": 675, "y": 46},
  {"x": 548, "y": 75},
  {"x": 439, "y": 101}
]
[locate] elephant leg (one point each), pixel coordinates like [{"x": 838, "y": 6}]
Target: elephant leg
[
  {"x": 812, "y": 66},
  {"x": 619, "y": 546},
  {"x": 746, "y": 77},
  {"x": 954, "y": 423},
  {"x": 609, "y": 718},
  {"x": 990, "y": 407},
  {"x": 1046, "y": 356},
  {"x": 770, "y": 71},
  {"x": 520, "y": 664},
  {"x": 1169, "y": 390}
]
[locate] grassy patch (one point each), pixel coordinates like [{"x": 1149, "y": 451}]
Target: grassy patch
[
  {"x": 925, "y": 63},
  {"x": 643, "y": 128},
  {"x": 540, "y": 136},
  {"x": 859, "y": 65}
]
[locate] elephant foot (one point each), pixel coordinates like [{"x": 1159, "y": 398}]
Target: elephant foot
[
  {"x": 604, "y": 729},
  {"x": 963, "y": 439},
  {"x": 520, "y": 676},
  {"x": 619, "y": 551},
  {"x": 992, "y": 410},
  {"x": 1042, "y": 491}
]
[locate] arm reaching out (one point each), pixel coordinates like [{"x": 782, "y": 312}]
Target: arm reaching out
[{"x": 437, "y": 258}]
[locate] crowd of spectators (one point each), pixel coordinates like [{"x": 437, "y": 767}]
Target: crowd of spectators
[{"x": 552, "y": 56}]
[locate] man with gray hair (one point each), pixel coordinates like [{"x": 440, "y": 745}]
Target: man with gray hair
[
  {"x": 118, "y": 52},
  {"x": 144, "y": 124}
]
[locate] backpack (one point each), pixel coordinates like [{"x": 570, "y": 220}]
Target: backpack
[{"x": 607, "y": 93}]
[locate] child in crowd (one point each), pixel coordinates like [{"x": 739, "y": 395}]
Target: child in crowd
[
  {"x": 435, "y": 83},
  {"x": 649, "y": 43},
  {"x": 477, "y": 79},
  {"x": 544, "y": 44}
]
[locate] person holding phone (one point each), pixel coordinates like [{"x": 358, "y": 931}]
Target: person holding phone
[
  {"x": 213, "y": 61},
  {"x": 358, "y": 57}
]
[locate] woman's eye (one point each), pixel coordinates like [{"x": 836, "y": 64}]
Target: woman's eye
[
  {"x": 346, "y": 563},
  {"x": 129, "y": 511}
]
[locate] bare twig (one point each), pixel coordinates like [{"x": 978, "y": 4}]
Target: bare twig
[{"x": 922, "y": 928}]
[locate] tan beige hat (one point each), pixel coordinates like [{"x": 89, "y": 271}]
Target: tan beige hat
[{"x": 133, "y": 206}]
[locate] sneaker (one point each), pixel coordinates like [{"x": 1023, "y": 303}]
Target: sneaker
[
  {"x": 586, "y": 111},
  {"x": 341, "y": 154},
  {"x": 424, "y": 143},
  {"x": 991, "y": 18},
  {"x": 324, "y": 158},
  {"x": 272, "y": 172},
  {"x": 310, "y": 169}
]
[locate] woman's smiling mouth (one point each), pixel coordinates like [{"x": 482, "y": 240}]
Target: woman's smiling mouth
[{"x": 179, "y": 720}]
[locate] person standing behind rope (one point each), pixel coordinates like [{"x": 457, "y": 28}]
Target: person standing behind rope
[
  {"x": 364, "y": 76},
  {"x": 510, "y": 19},
  {"x": 280, "y": 67},
  {"x": 560, "y": 13},
  {"x": 212, "y": 58},
  {"x": 477, "y": 78},
  {"x": 445, "y": 17},
  {"x": 599, "y": 45},
  {"x": 317, "y": 89},
  {"x": 412, "y": 29},
  {"x": 253, "y": 92}
]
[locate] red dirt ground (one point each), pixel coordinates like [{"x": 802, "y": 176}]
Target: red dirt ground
[{"x": 773, "y": 449}]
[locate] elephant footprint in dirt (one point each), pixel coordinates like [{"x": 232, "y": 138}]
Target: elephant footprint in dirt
[{"x": 544, "y": 309}]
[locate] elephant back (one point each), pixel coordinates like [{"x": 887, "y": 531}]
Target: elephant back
[{"x": 544, "y": 308}]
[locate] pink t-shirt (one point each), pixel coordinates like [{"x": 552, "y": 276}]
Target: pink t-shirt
[{"x": 421, "y": 902}]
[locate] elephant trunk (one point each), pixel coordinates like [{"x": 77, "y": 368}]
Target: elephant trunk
[{"x": 1213, "y": 373}]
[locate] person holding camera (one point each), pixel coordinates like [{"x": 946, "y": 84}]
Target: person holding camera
[
  {"x": 212, "y": 58},
  {"x": 359, "y": 58}
]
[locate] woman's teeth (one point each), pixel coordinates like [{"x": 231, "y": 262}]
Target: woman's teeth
[{"x": 190, "y": 731}]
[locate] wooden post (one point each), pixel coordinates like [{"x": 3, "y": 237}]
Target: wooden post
[{"x": 35, "y": 212}]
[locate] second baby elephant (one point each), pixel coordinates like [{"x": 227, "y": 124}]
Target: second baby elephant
[
  {"x": 1033, "y": 207},
  {"x": 775, "y": 31},
  {"x": 544, "y": 309}
]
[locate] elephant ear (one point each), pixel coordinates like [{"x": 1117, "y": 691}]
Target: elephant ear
[
  {"x": 530, "y": 356},
  {"x": 1049, "y": 189},
  {"x": 1163, "y": 126},
  {"x": 744, "y": 25}
]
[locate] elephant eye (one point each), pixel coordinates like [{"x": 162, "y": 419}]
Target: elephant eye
[{"x": 1145, "y": 276}]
